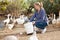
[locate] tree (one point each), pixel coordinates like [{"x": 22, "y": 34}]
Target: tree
[{"x": 52, "y": 6}]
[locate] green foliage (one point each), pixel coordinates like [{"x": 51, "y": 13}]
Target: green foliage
[
  {"x": 3, "y": 5},
  {"x": 21, "y": 4},
  {"x": 52, "y": 7},
  {"x": 28, "y": 5}
]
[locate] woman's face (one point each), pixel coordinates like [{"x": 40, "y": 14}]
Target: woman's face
[{"x": 36, "y": 6}]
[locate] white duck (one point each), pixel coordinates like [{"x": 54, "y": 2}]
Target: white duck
[
  {"x": 13, "y": 19},
  {"x": 20, "y": 20},
  {"x": 10, "y": 26},
  {"x": 26, "y": 18},
  {"x": 54, "y": 20},
  {"x": 58, "y": 19},
  {"x": 11, "y": 37},
  {"x": 33, "y": 37},
  {"x": 47, "y": 21},
  {"x": 7, "y": 20}
]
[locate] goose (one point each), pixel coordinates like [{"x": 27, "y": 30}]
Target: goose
[
  {"x": 22, "y": 16},
  {"x": 47, "y": 21},
  {"x": 26, "y": 19},
  {"x": 33, "y": 37},
  {"x": 10, "y": 26},
  {"x": 14, "y": 20},
  {"x": 11, "y": 37},
  {"x": 11, "y": 18},
  {"x": 54, "y": 20},
  {"x": 20, "y": 20},
  {"x": 7, "y": 20},
  {"x": 58, "y": 19}
]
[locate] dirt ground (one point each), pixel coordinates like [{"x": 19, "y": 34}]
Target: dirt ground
[
  {"x": 47, "y": 36},
  {"x": 53, "y": 33}
]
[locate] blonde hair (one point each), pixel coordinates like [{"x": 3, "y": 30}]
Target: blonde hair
[
  {"x": 41, "y": 3},
  {"x": 37, "y": 3}
]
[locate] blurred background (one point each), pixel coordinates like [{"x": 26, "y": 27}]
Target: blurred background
[{"x": 15, "y": 7}]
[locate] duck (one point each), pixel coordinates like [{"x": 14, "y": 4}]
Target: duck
[
  {"x": 14, "y": 20},
  {"x": 54, "y": 20},
  {"x": 26, "y": 19},
  {"x": 11, "y": 18},
  {"x": 20, "y": 20},
  {"x": 11, "y": 37},
  {"x": 47, "y": 21},
  {"x": 58, "y": 19},
  {"x": 33, "y": 37},
  {"x": 10, "y": 26},
  {"x": 7, "y": 20}
]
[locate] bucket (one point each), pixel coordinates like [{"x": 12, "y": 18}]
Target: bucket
[{"x": 28, "y": 27}]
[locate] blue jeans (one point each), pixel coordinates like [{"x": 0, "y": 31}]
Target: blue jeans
[{"x": 41, "y": 25}]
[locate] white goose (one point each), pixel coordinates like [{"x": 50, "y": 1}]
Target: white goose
[
  {"x": 11, "y": 37},
  {"x": 54, "y": 20},
  {"x": 7, "y": 20},
  {"x": 58, "y": 19},
  {"x": 10, "y": 26},
  {"x": 11, "y": 18},
  {"x": 14, "y": 20},
  {"x": 26, "y": 18},
  {"x": 20, "y": 20},
  {"x": 33, "y": 37}
]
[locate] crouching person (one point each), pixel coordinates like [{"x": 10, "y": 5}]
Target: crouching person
[{"x": 40, "y": 17}]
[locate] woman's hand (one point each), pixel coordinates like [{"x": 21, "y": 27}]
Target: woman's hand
[{"x": 33, "y": 22}]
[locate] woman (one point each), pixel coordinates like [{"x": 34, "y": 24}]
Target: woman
[
  {"x": 41, "y": 4},
  {"x": 39, "y": 17}
]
